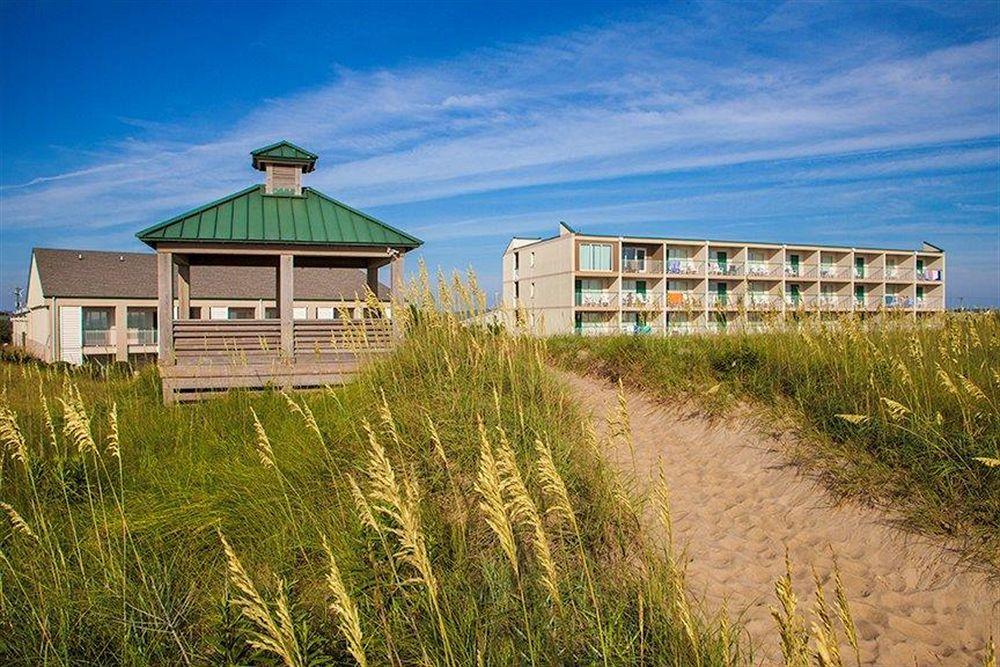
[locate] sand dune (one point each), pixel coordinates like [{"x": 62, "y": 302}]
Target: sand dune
[{"x": 737, "y": 507}]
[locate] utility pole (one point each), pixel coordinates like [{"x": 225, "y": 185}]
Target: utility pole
[{"x": 17, "y": 298}]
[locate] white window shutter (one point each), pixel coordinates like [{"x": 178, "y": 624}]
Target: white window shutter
[{"x": 71, "y": 334}]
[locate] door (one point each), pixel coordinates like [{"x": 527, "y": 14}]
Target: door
[
  {"x": 859, "y": 295},
  {"x": 793, "y": 261},
  {"x": 793, "y": 291},
  {"x": 920, "y": 269},
  {"x": 722, "y": 259},
  {"x": 722, "y": 293},
  {"x": 578, "y": 321},
  {"x": 640, "y": 291},
  {"x": 578, "y": 292},
  {"x": 859, "y": 267}
]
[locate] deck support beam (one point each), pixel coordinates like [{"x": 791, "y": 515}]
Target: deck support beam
[
  {"x": 372, "y": 279},
  {"x": 183, "y": 291},
  {"x": 121, "y": 332},
  {"x": 286, "y": 296},
  {"x": 165, "y": 305}
]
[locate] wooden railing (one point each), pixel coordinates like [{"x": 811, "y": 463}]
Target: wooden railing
[
  {"x": 235, "y": 342},
  {"x": 316, "y": 339},
  {"x": 227, "y": 341}
]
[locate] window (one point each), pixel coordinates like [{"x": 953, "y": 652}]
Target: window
[
  {"x": 271, "y": 313},
  {"x": 531, "y": 291},
  {"x": 517, "y": 291},
  {"x": 141, "y": 319},
  {"x": 300, "y": 313},
  {"x": 634, "y": 258},
  {"x": 517, "y": 261},
  {"x": 531, "y": 260},
  {"x": 595, "y": 257},
  {"x": 241, "y": 313},
  {"x": 327, "y": 313},
  {"x": 194, "y": 312},
  {"x": 97, "y": 319}
]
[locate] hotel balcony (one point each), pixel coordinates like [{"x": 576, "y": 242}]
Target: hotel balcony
[
  {"x": 637, "y": 329},
  {"x": 834, "y": 272},
  {"x": 834, "y": 303},
  {"x": 897, "y": 302},
  {"x": 800, "y": 271},
  {"x": 684, "y": 328},
  {"x": 642, "y": 266},
  {"x": 684, "y": 267},
  {"x": 929, "y": 275},
  {"x": 597, "y": 329},
  {"x": 142, "y": 337},
  {"x": 99, "y": 338},
  {"x": 760, "y": 269},
  {"x": 868, "y": 273},
  {"x": 681, "y": 301},
  {"x": 722, "y": 301},
  {"x": 641, "y": 300},
  {"x": 733, "y": 269},
  {"x": 899, "y": 274},
  {"x": 596, "y": 300},
  {"x": 929, "y": 303},
  {"x": 759, "y": 302}
]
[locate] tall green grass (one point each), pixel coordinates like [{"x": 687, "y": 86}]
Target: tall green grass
[
  {"x": 905, "y": 415},
  {"x": 447, "y": 508}
]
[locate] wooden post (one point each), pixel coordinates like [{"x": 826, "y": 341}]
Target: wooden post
[
  {"x": 372, "y": 279},
  {"x": 183, "y": 291},
  {"x": 165, "y": 305},
  {"x": 286, "y": 296},
  {"x": 121, "y": 332}
]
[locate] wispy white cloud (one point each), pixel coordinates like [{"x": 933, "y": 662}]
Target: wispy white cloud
[{"x": 660, "y": 95}]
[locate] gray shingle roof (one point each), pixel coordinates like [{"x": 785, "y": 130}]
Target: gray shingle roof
[{"x": 132, "y": 275}]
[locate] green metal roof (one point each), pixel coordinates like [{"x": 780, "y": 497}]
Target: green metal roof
[
  {"x": 284, "y": 151},
  {"x": 252, "y": 217}
]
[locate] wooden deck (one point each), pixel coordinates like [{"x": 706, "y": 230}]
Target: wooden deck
[{"x": 213, "y": 356}]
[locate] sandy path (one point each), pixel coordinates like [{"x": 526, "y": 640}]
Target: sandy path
[{"x": 736, "y": 507}]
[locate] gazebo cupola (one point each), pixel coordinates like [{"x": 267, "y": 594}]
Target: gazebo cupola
[{"x": 284, "y": 163}]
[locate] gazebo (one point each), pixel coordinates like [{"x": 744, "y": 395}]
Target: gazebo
[{"x": 283, "y": 225}]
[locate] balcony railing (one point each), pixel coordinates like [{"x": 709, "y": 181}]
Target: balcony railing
[
  {"x": 596, "y": 329},
  {"x": 930, "y": 275},
  {"x": 596, "y": 299},
  {"x": 929, "y": 303},
  {"x": 142, "y": 337},
  {"x": 898, "y": 302},
  {"x": 800, "y": 270},
  {"x": 641, "y": 300},
  {"x": 637, "y": 329},
  {"x": 899, "y": 273},
  {"x": 642, "y": 266},
  {"x": 762, "y": 301},
  {"x": 830, "y": 302},
  {"x": 717, "y": 268},
  {"x": 867, "y": 273},
  {"x": 98, "y": 337},
  {"x": 677, "y": 300},
  {"x": 834, "y": 272},
  {"x": 762, "y": 269},
  {"x": 684, "y": 267},
  {"x": 684, "y": 328},
  {"x": 722, "y": 301}
]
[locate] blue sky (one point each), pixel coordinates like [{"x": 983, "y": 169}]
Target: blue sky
[{"x": 841, "y": 123}]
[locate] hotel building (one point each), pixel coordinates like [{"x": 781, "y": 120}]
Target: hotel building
[{"x": 600, "y": 284}]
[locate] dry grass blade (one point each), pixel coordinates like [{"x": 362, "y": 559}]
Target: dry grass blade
[
  {"x": 113, "y": 444},
  {"x": 791, "y": 629},
  {"x": 263, "y": 443},
  {"x": 490, "y": 488},
  {"x": 77, "y": 426},
  {"x": 343, "y": 606},
  {"x": 17, "y": 522},
  {"x": 11, "y": 437},
  {"x": 523, "y": 511},
  {"x": 274, "y": 635}
]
